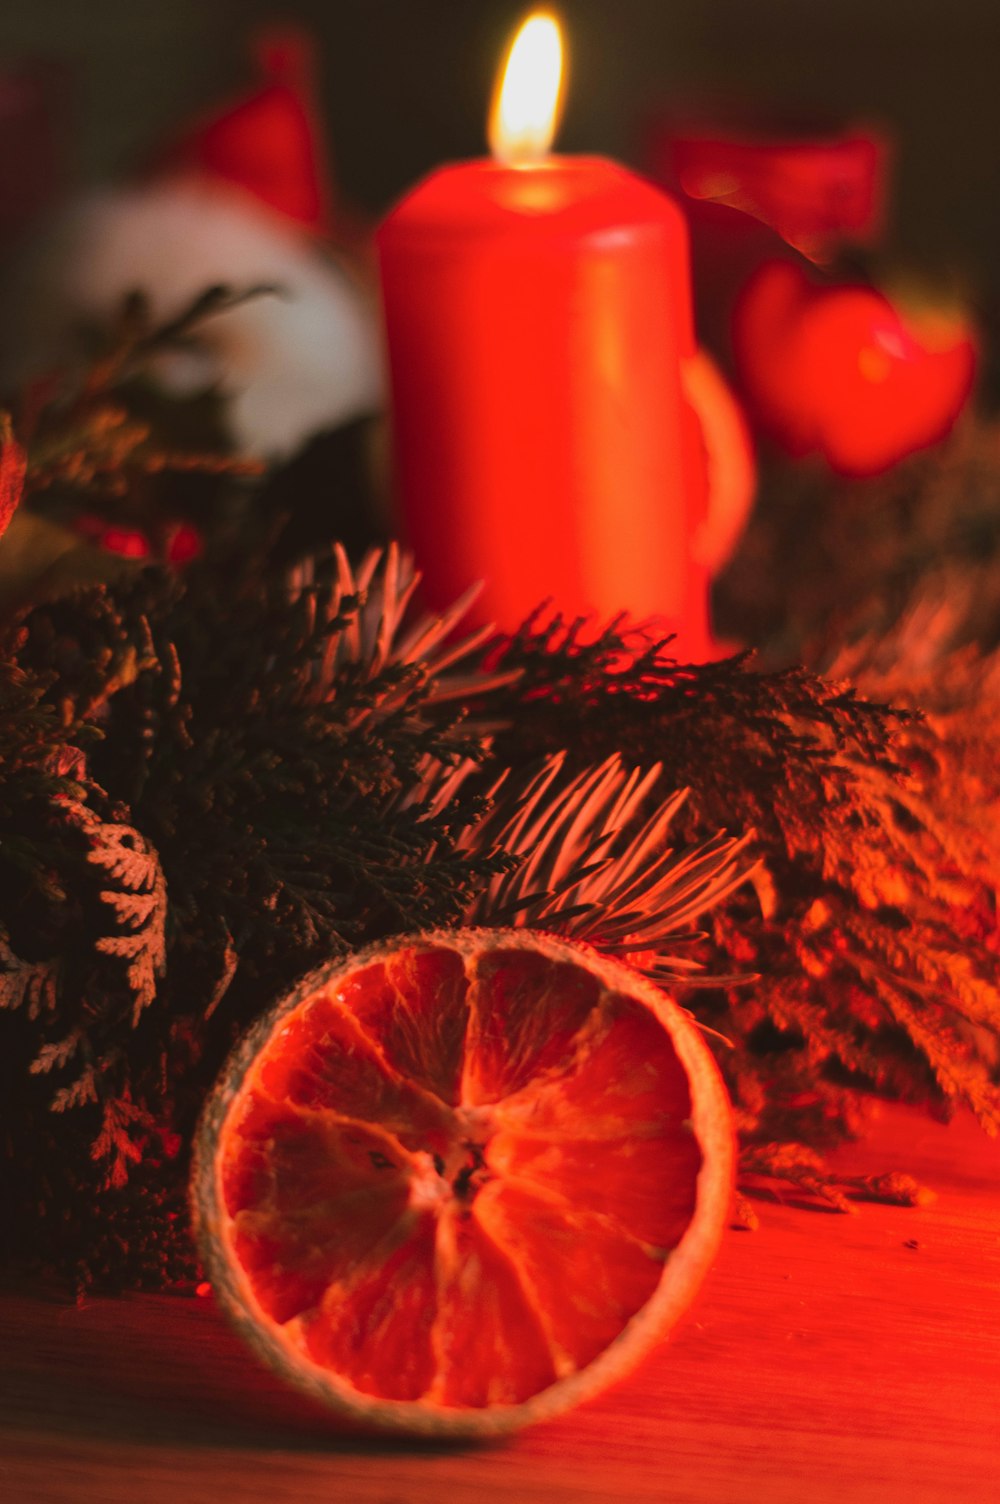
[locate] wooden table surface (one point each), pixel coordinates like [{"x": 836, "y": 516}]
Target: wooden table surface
[{"x": 829, "y": 1360}]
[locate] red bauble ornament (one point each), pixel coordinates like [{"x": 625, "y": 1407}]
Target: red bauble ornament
[
  {"x": 176, "y": 543},
  {"x": 840, "y": 371}
]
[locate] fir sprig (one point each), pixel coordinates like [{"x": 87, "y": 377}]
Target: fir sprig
[{"x": 591, "y": 858}]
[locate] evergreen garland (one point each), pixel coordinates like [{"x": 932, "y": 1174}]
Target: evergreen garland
[
  {"x": 242, "y": 805},
  {"x": 211, "y": 783}
]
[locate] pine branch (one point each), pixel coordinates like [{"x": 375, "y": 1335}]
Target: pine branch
[
  {"x": 590, "y": 861},
  {"x": 871, "y": 830},
  {"x": 364, "y": 614}
]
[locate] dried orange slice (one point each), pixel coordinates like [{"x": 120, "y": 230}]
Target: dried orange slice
[{"x": 462, "y": 1181}]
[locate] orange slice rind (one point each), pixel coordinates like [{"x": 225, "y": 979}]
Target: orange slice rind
[{"x": 462, "y": 1181}]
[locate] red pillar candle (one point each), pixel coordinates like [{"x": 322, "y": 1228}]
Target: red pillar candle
[{"x": 538, "y": 317}]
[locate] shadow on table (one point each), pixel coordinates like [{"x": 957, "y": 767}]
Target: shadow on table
[{"x": 155, "y": 1369}]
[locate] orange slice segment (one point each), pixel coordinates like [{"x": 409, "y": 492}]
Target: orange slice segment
[
  {"x": 463, "y": 1181},
  {"x": 511, "y": 989},
  {"x": 582, "y": 1274},
  {"x": 375, "y": 1330}
]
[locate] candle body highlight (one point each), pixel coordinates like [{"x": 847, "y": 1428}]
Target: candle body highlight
[{"x": 537, "y": 319}]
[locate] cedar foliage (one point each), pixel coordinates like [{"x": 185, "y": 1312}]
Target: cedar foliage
[{"x": 232, "y": 819}]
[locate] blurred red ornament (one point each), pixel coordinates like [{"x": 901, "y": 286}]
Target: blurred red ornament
[
  {"x": 127, "y": 542},
  {"x": 268, "y": 142},
  {"x": 815, "y": 191},
  {"x": 176, "y": 543},
  {"x": 840, "y": 371},
  {"x": 184, "y": 544}
]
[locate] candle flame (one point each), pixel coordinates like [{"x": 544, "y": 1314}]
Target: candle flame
[{"x": 527, "y": 102}]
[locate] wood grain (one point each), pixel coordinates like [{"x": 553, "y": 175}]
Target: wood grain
[{"x": 830, "y": 1360}]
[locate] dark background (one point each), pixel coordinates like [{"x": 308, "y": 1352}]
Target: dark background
[{"x": 406, "y": 85}]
